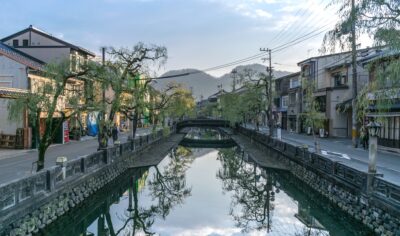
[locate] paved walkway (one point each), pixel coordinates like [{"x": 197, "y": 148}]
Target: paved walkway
[
  {"x": 19, "y": 163},
  {"x": 153, "y": 156},
  {"x": 257, "y": 154},
  {"x": 340, "y": 149}
]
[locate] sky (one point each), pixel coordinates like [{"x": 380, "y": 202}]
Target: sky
[{"x": 197, "y": 33}]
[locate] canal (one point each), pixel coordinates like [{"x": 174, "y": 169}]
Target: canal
[{"x": 205, "y": 191}]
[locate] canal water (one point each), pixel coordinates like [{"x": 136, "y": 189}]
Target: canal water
[{"x": 205, "y": 191}]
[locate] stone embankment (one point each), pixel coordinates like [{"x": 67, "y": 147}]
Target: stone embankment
[
  {"x": 377, "y": 206},
  {"x": 29, "y": 204}
]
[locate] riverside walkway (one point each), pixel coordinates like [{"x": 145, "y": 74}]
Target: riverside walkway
[
  {"x": 19, "y": 164},
  {"x": 153, "y": 156},
  {"x": 341, "y": 150}
]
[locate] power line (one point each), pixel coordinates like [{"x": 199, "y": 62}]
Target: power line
[
  {"x": 299, "y": 24},
  {"x": 256, "y": 56},
  {"x": 286, "y": 26},
  {"x": 280, "y": 48},
  {"x": 301, "y": 37}
]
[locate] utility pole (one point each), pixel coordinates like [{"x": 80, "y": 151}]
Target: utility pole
[
  {"x": 234, "y": 74},
  {"x": 102, "y": 133},
  {"x": 268, "y": 90},
  {"x": 354, "y": 76}
]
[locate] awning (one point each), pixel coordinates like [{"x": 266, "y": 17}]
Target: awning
[{"x": 344, "y": 106}]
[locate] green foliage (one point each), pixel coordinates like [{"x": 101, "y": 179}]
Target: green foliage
[
  {"x": 45, "y": 98},
  {"x": 181, "y": 103},
  {"x": 250, "y": 101},
  {"x": 311, "y": 115}
]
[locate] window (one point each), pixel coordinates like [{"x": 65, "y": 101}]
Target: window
[
  {"x": 25, "y": 43},
  {"x": 321, "y": 103},
  {"x": 294, "y": 83},
  {"x": 15, "y": 43},
  {"x": 285, "y": 100},
  {"x": 292, "y": 99},
  {"x": 339, "y": 79}
]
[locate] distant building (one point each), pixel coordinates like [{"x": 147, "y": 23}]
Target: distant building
[{"x": 281, "y": 100}]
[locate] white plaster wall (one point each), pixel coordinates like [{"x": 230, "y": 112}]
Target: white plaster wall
[
  {"x": 7, "y": 126},
  {"x": 48, "y": 54},
  {"x": 13, "y": 71},
  {"x": 338, "y": 120},
  {"x": 323, "y": 78},
  {"x": 36, "y": 40}
]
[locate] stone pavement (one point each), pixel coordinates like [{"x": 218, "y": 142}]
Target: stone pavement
[
  {"x": 257, "y": 154},
  {"x": 340, "y": 149},
  {"x": 153, "y": 156},
  {"x": 18, "y": 164}
]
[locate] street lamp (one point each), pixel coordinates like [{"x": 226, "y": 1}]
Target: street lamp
[{"x": 373, "y": 131}]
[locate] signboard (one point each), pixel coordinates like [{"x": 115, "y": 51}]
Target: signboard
[{"x": 65, "y": 132}]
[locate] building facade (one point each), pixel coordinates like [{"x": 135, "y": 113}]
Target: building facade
[
  {"x": 43, "y": 48},
  {"x": 332, "y": 76}
]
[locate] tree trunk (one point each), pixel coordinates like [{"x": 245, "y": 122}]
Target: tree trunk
[
  {"x": 134, "y": 125},
  {"x": 42, "y": 153}
]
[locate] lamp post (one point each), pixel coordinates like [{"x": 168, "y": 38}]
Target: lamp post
[{"x": 373, "y": 131}]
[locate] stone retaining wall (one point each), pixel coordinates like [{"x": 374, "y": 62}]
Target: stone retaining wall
[
  {"x": 31, "y": 203},
  {"x": 378, "y": 209}
]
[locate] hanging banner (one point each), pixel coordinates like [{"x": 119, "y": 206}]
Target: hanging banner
[{"x": 92, "y": 127}]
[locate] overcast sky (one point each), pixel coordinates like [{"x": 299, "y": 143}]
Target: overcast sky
[{"x": 197, "y": 33}]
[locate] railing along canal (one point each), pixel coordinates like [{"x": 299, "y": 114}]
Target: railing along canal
[
  {"x": 20, "y": 191},
  {"x": 352, "y": 179}
]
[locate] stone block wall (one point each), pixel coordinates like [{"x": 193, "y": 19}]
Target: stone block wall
[{"x": 342, "y": 185}]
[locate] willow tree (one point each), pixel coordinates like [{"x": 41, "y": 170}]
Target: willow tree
[
  {"x": 179, "y": 102},
  {"x": 344, "y": 35},
  {"x": 130, "y": 70},
  {"x": 257, "y": 96},
  {"x": 311, "y": 115},
  {"x": 45, "y": 101},
  {"x": 382, "y": 20}
]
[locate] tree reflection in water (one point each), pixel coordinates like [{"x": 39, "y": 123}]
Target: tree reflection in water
[
  {"x": 167, "y": 188},
  {"x": 253, "y": 193}
]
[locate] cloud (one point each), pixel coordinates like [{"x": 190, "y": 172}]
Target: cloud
[{"x": 262, "y": 13}]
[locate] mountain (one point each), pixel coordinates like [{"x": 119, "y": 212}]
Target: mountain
[{"x": 203, "y": 85}]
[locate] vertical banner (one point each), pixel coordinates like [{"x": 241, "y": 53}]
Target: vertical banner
[{"x": 65, "y": 132}]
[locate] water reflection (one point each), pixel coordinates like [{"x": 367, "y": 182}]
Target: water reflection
[
  {"x": 199, "y": 191},
  {"x": 167, "y": 187},
  {"x": 206, "y": 134},
  {"x": 252, "y": 191},
  {"x": 265, "y": 200}
]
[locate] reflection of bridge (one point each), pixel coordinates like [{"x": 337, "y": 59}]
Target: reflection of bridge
[
  {"x": 204, "y": 143},
  {"x": 201, "y": 123}
]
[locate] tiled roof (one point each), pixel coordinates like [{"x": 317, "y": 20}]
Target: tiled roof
[
  {"x": 12, "y": 92},
  {"x": 45, "y": 34},
  {"x": 20, "y": 57}
]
